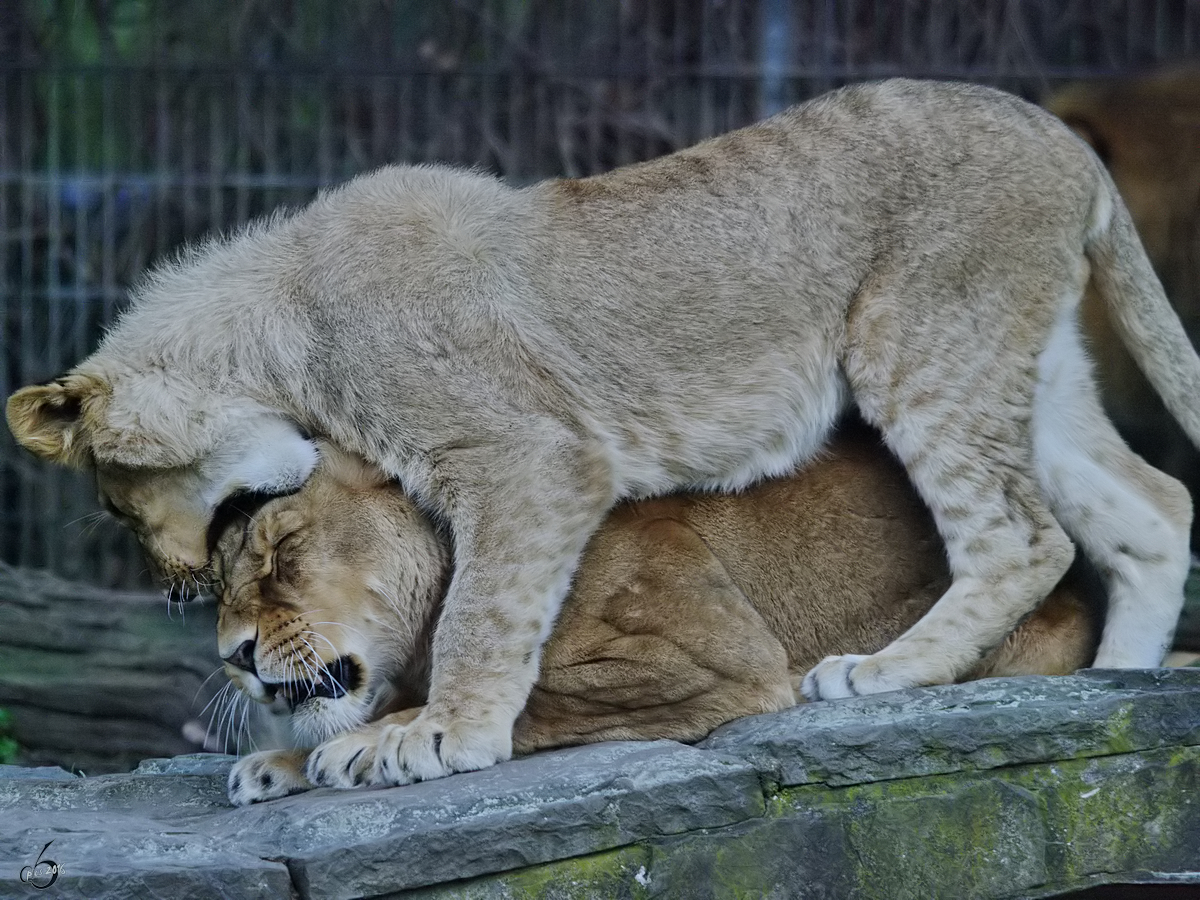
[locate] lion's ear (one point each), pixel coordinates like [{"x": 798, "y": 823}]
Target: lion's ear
[{"x": 48, "y": 419}]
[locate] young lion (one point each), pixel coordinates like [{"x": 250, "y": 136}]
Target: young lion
[
  {"x": 521, "y": 359},
  {"x": 686, "y": 612}
]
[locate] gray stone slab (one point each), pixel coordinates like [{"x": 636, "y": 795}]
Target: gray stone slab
[
  {"x": 173, "y": 821},
  {"x": 36, "y": 773},
  {"x": 135, "y": 836},
  {"x": 124, "y": 855},
  {"x": 217, "y": 764},
  {"x": 1009, "y": 834},
  {"x": 546, "y": 807},
  {"x": 1079, "y": 779},
  {"x": 982, "y": 725},
  {"x": 147, "y": 794}
]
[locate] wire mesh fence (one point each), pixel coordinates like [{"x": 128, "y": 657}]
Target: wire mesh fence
[{"x": 129, "y": 126}]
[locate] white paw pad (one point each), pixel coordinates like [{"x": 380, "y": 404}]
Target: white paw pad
[{"x": 264, "y": 776}]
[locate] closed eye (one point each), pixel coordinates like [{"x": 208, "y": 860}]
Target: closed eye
[
  {"x": 283, "y": 567},
  {"x": 235, "y": 510},
  {"x": 113, "y": 510}
]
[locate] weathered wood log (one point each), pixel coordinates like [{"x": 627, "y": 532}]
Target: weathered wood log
[{"x": 97, "y": 680}]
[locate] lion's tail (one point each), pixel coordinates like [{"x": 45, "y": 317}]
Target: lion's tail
[{"x": 1140, "y": 311}]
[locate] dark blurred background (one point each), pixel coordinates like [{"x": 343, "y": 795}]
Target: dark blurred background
[{"x": 130, "y": 126}]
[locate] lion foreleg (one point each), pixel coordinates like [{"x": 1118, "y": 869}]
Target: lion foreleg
[
  {"x": 963, "y": 433},
  {"x": 520, "y": 518}
]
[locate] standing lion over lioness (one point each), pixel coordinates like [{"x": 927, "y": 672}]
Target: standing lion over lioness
[
  {"x": 522, "y": 359},
  {"x": 686, "y": 611}
]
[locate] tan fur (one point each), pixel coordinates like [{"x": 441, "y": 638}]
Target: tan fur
[
  {"x": 686, "y": 612},
  {"x": 1147, "y": 132},
  {"x": 522, "y": 359}
]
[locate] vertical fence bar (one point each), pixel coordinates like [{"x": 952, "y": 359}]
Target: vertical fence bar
[
  {"x": 27, "y": 346},
  {"x": 776, "y": 56}
]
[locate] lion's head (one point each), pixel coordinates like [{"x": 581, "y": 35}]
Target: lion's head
[
  {"x": 166, "y": 456},
  {"x": 328, "y": 596}
]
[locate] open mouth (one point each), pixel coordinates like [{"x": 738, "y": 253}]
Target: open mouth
[{"x": 336, "y": 680}]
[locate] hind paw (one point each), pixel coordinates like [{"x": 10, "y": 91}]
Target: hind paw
[{"x": 851, "y": 675}]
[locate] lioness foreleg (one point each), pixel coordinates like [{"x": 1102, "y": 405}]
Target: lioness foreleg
[{"x": 267, "y": 776}]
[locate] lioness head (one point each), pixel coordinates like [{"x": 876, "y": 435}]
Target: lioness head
[
  {"x": 165, "y": 459},
  {"x": 328, "y": 596}
]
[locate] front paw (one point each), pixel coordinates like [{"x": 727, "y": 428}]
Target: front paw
[
  {"x": 344, "y": 761},
  {"x": 427, "y": 748},
  {"x": 267, "y": 776}
]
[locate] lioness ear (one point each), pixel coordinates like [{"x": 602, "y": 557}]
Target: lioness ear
[{"x": 48, "y": 419}]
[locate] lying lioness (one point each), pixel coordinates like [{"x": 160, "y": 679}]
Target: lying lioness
[{"x": 686, "y": 612}]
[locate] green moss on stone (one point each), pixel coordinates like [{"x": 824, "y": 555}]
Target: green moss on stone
[
  {"x": 1008, "y": 832},
  {"x": 1117, "y": 813},
  {"x": 619, "y": 874},
  {"x": 988, "y": 834},
  {"x": 1122, "y": 731}
]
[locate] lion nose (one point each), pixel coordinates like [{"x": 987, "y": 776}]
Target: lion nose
[{"x": 243, "y": 656}]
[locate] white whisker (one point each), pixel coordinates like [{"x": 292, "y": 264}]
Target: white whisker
[
  {"x": 294, "y": 663},
  {"x": 324, "y": 667},
  {"x": 91, "y": 522},
  {"x": 312, "y": 673},
  {"x": 318, "y": 634},
  {"x": 214, "y": 719},
  {"x": 231, "y": 712},
  {"x": 339, "y": 625},
  {"x": 242, "y": 727},
  {"x": 214, "y": 696}
]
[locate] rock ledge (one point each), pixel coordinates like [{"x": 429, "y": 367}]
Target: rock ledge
[{"x": 1005, "y": 788}]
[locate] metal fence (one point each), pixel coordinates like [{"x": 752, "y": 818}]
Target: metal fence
[{"x": 129, "y": 126}]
